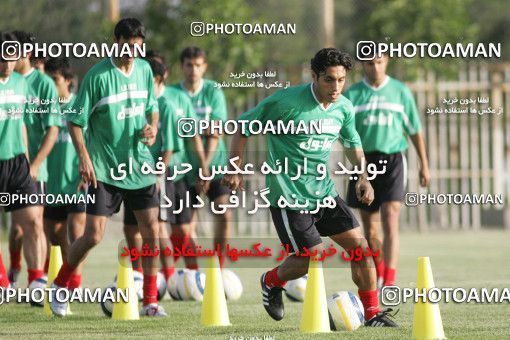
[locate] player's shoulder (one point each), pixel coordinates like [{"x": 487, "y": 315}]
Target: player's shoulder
[
  {"x": 143, "y": 64},
  {"x": 175, "y": 94},
  {"x": 17, "y": 77},
  {"x": 292, "y": 93},
  {"x": 397, "y": 84}
]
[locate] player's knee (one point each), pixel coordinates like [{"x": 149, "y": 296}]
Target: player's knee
[{"x": 130, "y": 230}]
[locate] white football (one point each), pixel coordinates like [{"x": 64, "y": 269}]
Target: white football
[
  {"x": 138, "y": 283},
  {"x": 161, "y": 284},
  {"x": 192, "y": 287},
  {"x": 173, "y": 284},
  {"x": 232, "y": 285},
  {"x": 345, "y": 311},
  {"x": 295, "y": 289},
  {"x": 107, "y": 306}
]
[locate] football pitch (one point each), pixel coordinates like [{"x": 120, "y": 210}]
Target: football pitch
[{"x": 459, "y": 259}]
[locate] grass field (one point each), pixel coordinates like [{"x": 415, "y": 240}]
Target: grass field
[{"x": 458, "y": 259}]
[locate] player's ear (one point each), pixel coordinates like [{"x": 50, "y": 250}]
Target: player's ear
[{"x": 315, "y": 76}]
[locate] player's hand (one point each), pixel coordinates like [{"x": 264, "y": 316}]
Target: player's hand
[
  {"x": 149, "y": 133},
  {"x": 364, "y": 191},
  {"x": 87, "y": 173},
  {"x": 233, "y": 181},
  {"x": 424, "y": 177},
  {"x": 34, "y": 171},
  {"x": 202, "y": 186}
]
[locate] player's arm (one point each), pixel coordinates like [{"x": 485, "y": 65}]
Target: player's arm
[
  {"x": 364, "y": 190},
  {"x": 87, "y": 172},
  {"x": 49, "y": 139},
  {"x": 413, "y": 129},
  {"x": 351, "y": 141},
  {"x": 219, "y": 112},
  {"x": 150, "y": 130},
  {"x": 198, "y": 148},
  {"x": 24, "y": 137},
  {"x": 419, "y": 145}
]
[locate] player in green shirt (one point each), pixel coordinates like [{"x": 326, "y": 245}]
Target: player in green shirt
[
  {"x": 116, "y": 103},
  {"x": 63, "y": 220},
  {"x": 386, "y": 115},
  {"x": 209, "y": 104},
  {"x": 302, "y": 228},
  {"x": 15, "y": 177},
  {"x": 170, "y": 147},
  {"x": 42, "y": 123}
]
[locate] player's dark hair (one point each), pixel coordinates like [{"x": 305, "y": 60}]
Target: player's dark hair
[
  {"x": 192, "y": 52},
  {"x": 24, "y": 38},
  {"x": 330, "y": 57},
  {"x": 156, "y": 55},
  {"x": 6, "y": 36},
  {"x": 157, "y": 66},
  {"x": 59, "y": 65},
  {"x": 129, "y": 28}
]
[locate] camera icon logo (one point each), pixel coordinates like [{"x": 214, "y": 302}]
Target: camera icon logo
[
  {"x": 365, "y": 50},
  {"x": 197, "y": 28},
  {"x": 11, "y": 50},
  {"x": 411, "y": 199},
  {"x": 187, "y": 127},
  {"x": 5, "y": 199},
  {"x": 390, "y": 295}
]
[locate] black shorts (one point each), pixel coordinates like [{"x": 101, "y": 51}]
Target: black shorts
[
  {"x": 216, "y": 189},
  {"x": 15, "y": 179},
  {"x": 302, "y": 230},
  {"x": 108, "y": 199},
  {"x": 130, "y": 218},
  {"x": 60, "y": 212},
  {"x": 388, "y": 186}
]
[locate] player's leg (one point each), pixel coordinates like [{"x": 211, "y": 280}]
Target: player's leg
[
  {"x": 390, "y": 213},
  {"x": 75, "y": 229},
  {"x": 295, "y": 231},
  {"x": 342, "y": 227},
  {"x": 371, "y": 221},
  {"x": 34, "y": 242},
  {"x": 15, "y": 247},
  {"x": 149, "y": 229},
  {"x": 4, "y": 281},
  {"x": 181, "y": 227},
  {"x": 108, "y": 201},
  {"x": 222, "y": 227},
  {"x": 132, "y": 235},
  {"x": 145, "y": 205}
]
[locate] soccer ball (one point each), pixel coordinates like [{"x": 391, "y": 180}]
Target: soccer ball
[
  {"x": 138, "y": 278},
  {"x": 295, "y": 289},
  {"x": 232, "y": 285},
  {"x": 107, "y": 306},
  {"x": 40, "y": 284},
  {"x": 345, "y": 311},
  {"x": 173, "y": 284},
  {"x": 161, "y": 283},
  {"x": 192, "y": 287}
]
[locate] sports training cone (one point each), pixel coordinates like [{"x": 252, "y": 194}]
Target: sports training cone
[
  {"x": 427, "y": 322},
  {"x": 315, "y": 317},
  {"x": 53, "y": 269},
  {"x": 214, "y": 306},
  {"x": 126, "y": 310}
]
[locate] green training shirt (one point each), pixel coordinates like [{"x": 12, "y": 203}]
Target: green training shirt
[
  {"x": 384, "y": 116},
  {"x": 115, "y": 107},
  {"x": 209, "y": 104},
  {"x": 44, "y": 98},
  {"x": 166, "y": 139},
  {"x": 183, "y": 109},
  {"x": 63, "y": 165},
  {"x": 13, "y": 96},
  {"x": 298, "y": 104}
]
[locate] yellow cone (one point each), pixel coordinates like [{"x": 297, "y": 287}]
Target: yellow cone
[
  {"x": 53, "y": 269},
  {"x": 214, "y": 306},
  {"x": 125, "y": 280},
  {"x": 315, "y": 317},
  {"x": 427, "y": 323}
]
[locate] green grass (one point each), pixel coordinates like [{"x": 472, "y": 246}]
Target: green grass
[{"x": 458, "y": 259}]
